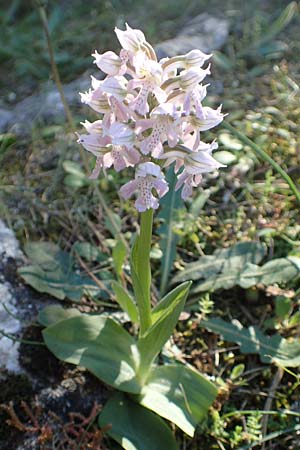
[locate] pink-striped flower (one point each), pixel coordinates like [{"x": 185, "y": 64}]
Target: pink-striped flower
[
  {"x": 164, "y": 124},
  {"x": 193, "y": 59},
  {"x": 148, "y": 81},
  {"x": 134, "y": 41},
  {"x": 148, "y": 176},
  {"x": 194, "y": 163},
  {"x": 193, "y": 125},
  {"x": 114, "y": 148}
]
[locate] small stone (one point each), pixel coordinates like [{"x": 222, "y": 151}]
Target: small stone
[
  {"x": 6, "y": 119},
  {"x": 10, "y": 325},
  {"x": 9, "y": 246},
  {"x": 204, "y": 32}
]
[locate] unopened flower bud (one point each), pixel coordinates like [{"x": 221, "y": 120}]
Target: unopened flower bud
[
  {"x": 108, "y": 62},
  {"x": 195, "y": 58},
  {"x": 190, "y": 78},
  {"x": 130, "y": 39}
]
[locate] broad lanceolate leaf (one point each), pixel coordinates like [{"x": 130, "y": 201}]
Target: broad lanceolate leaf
[
  {"x": 168, "y": 205},
  {"x": 135, "y": 427},
  {"x": 165, "y": 317},
  {"x": 237, "y": 265},
  {"x": 52, "y": 272},
  {"x": 54, "y": 313},
  {"x": 178, "y": 394},
  {"x": 98, "y": 344},
  {"x": 279, "y": 270},
  {"x": 125, "y": 301},
  {"x": 224, "y": 260},
  {"x": 251, "y": 340}
]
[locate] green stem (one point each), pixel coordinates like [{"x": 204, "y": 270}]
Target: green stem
[
  {"x": 143, "y": 267},
  {"x": 263, "y": 155}
]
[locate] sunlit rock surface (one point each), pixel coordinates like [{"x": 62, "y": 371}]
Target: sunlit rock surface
[
  {"x": 205, "y": 32},
  {"x": 10, "y": 325}
]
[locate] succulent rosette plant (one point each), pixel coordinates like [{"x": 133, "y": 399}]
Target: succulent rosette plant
[{"x": 151, "y": 117}]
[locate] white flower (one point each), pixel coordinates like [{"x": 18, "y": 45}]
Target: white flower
[
  {"x": 150, "y": 110},
  {"x": 148, "y": 177}
]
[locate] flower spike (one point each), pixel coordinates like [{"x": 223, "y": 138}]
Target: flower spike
[{"x": 150, "y": 112}]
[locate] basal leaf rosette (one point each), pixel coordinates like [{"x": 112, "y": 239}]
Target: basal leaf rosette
[{"x": 151, "y": 116}]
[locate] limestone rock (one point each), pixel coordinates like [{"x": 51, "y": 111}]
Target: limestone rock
[
  {"x": 204, "y": 32},
  {"x": 44, "y": 106}
]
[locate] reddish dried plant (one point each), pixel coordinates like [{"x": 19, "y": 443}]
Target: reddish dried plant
[{"x": 80, "y": 433}]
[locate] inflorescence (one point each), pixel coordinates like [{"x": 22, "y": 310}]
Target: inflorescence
[{"x": 152, "y": 117}]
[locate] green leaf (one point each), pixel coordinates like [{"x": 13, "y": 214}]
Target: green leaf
[
  {"x": 178, "y": 394},
  {"x": 283, "y": 306},
  {"x": 164, "y": 317},
  {"x": 125, "y": 301},
  {"x": 52, "y": 272},
  {"x": 279, "y": 24},
  {"x": 295, "y": 319},
  {"x": 258, "y": 45},
  {"x": 199, "y": 202},
  {"x": 222, "y": 61},
  {"x": 119, "y": 255},
  {"x": 225, "y": 157},
  {"x": 279, "y": 270},
  {"x": 230, "y": 142},
  {"x": 89, "y": 252},
  {"x": 75, "y": 176},
  {"x": 113, "y": 223},
  {"x": 54, "y": 313},
  {"x": 223, "y": 268},
  {"x": 237, "y": 371},
  {"x": 135, "y": 427},
  {"x": 168, "y": 206},
  {"x": 274, "y": 348},
  {"x": 73, "y": 181},
  {"x": 100, "y": 345},
  {"x": 236, "y": 266}
]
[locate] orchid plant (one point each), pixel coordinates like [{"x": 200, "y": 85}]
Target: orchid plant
[{"x": 152, "y": 117}]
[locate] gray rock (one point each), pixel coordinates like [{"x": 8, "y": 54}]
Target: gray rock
[
  {"x": 19, "y": 305},
  {"x": 10, "y": 325},
  {"x": 203, "y": 32},
  {"x": 45, "y": 106},
  {"x": 9, "y": 246},
  {"x": 6, "y": 118}
]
